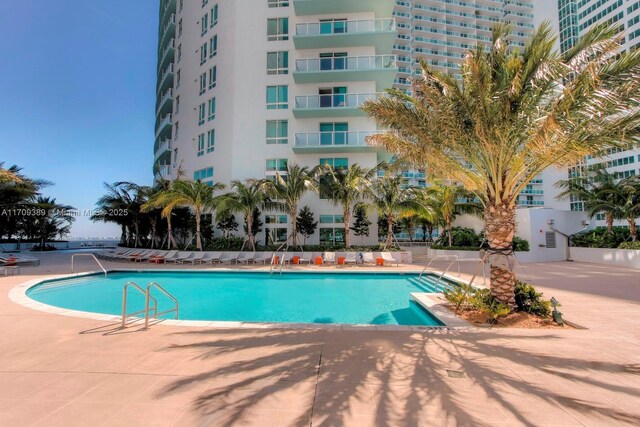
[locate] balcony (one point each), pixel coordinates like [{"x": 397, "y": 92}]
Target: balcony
[
  {"x": 380, "y": 33},
  {"x": 163, "y": 124},
  {"x": 166, "y": 79},
  {"x": 169, "y": 28},
  {"x": 167, "y": 53},
  {"x": 332, "y": 105},
  {"x": 334, "y": 142},
  {"x": 379, "y": 68},
  {"x": 163, "y": 172},
  {"x": 382, "y": 8},
  {"x": 165, "y": 105},
  {"x": 164, "y": 147}
]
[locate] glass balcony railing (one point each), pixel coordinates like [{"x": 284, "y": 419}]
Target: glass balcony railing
[
  {"x": 165, "y": 121},
  {"x": 163, "y": 146},
  {"x": 165, "y": 97},
  {"x": 333, "y": 139},
  {"x": 345, "y": 27},
  {"x": 347, "y": 63},
  {"x": 335, "y": 100}
]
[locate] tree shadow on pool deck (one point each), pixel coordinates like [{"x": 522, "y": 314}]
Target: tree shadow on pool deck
[{"x": 402, "y": 378}]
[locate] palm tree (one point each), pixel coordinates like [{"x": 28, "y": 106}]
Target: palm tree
[
  {"x": 246, "y": 197},
  {"x": 289, "y": 189},
  {"x": 160, "y": 198},
  {"x": 512, "y": 115},
  {"x": 393, "y": 201},
  {"x": 598, "y": 191},
  {"x": 345, "y": 187},
  {"x": 10, "y": 175},
  {"x": 631, "y": 207},
  {"x": 114, "y": 206},
  {"x": 450, "y": 200},
  {"x": 193, "y": 194}
]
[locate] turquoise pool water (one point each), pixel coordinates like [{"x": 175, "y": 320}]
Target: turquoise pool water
[{"x": 254, "y": 297}]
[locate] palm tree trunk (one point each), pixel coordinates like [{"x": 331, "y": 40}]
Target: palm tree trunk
[
  {"x": 633, "y": 230},
  {"x": 389, "y": 241},
  {"x": 500, "y": 227},
  {"x": 294, "y": 224},
  {"x": 198, "y": 240},
  {"x": 347, "y": 220},
  {"x": 608, "y": 216},
  {"x": 449, "y": 233},
  {"x": 172, "y": 242},
  {"x": 250, "y": 231}
]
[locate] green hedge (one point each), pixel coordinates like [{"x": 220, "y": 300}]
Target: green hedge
[
  {"x": 630, "y": 245},
  {"x": 519, "y": 245}
]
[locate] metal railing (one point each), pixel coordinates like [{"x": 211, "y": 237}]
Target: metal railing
[
  {"x": 351, "y": 63},
  {"x": 89, "y": 255},
  {"x": 164, "y": 145},
  {"x": 150, "y": 309},
  {"x": 335, "y": 100},
  {"x": 333, "y": 139},
  {"x": 345, "y": 27}
]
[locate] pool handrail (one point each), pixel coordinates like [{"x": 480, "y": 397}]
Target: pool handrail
[
  {"x": 92, "y": 256},
  {"x": 175, "y": 308},
  {"x": 455, "y": 258},
  {"x": 146, "y": 309}
]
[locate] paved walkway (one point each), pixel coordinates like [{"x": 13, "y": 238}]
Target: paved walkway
[{"x": 58, "y": 370}]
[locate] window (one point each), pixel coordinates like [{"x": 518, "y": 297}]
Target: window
[
  {"x": 200, "y": 145},
  {"x": 203, "y": 83},
  {"x": 204, "y": 24},
  {"x": 213, "y": 77},
  {"x": 178, "y": 79},
  {"x": 275, "y": 235},
  {"x": 333, "y": 133},
  {"x": 202, "y": 174},
  {"x": 333, "y": 61},
  {"x": 277, "y": 131},
  {"x": 276, "y": 219},
  {"x": 331, "y": 219},
  {"x": 276, "y": 165},
  {"x": 203, "y": 53},
  {"x": 179, "y": 53},
  {"x": 212, "y": 109},
  {"x": 277, "y": 97},
  {"x": 204, "y": 2},
  {"x": 211, "y": 140},
  {"x": 278, "y": 29},
  {"x": 331, "y": 235},
  {"x": 180, "y": 27},
  {"x": 213, "y": 46},
  {"x": 214, "y": 15},
  {"x": 177, "y": 128},
  {"x": 278, "y": 3},
  {"x": 278, "y": 62},
  {"x": 333, "y": 26},
  {"x": 201, "y": 114},
  {"x": 337, "y": 163},
  {"x": 333, "y": 96},
  {"x": 181, "y": 5},
  {"x": 177, "y": 104}
]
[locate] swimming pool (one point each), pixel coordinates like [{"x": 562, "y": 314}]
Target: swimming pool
[{"x": 342, "y": 298}]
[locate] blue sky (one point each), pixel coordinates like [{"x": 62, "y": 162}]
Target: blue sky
[{"x": 77, "y": 99}]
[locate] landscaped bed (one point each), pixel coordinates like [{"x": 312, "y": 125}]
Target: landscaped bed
[{"x": 518, "y": 319}]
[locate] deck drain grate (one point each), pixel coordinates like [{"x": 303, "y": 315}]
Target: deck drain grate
[{"x": 455, "y": 374}]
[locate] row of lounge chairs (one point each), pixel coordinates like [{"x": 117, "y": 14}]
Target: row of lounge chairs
[
  {"x": 186, "y": 257},
  {"x": 17, "y": 259}
]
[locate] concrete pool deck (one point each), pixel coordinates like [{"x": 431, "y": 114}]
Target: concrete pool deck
[{"x": 60, "y": 370}]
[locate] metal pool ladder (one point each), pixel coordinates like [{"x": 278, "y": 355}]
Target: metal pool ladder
[
  {"x": 150, "y": 309},
  {"x": 92, "y": 256}
]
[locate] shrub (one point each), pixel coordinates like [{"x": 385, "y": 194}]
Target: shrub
[
  {"x": 599, "y": 237},
  {"x": 232, "y": 243},
  {"x": 459, "y": 295},
  {"x": 529, "y": 300},
  {"x": 520, "y": 244},
  {"x": 630, "y": 245},
  {"x": 460, "y": 236}
]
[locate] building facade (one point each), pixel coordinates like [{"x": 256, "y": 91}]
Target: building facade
[
  {"x": 247, "y": 87},
  {"x": 576, "y": 17}
]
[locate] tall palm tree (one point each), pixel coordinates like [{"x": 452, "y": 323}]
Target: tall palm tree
[
  {"x": 246, "y": 197},
  {"x": 192, "y": 194},
  {"x": 10, "y": 175},
  {"x": 450, "y": 200},
  {"x": 631, "y": 207},
  {"x": 289, "y": 189},
  {"x": 113, "y": 207},
  {"x": 512, "y": 115},
  {"x": 393, "y": 201},
  {"x": 345, "y": 187}
]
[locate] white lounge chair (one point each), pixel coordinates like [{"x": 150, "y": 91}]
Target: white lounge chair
[
  {"x": 228, "y": 258},
  {"x": 351, "y": 258},
  {"x": 329, "y": 258},
  {"x": 368, "y": 258},
  {"x": 196, "y": 258},
  {"x": 245, "y": 257},
  {"x": 181, "y": 257},
  {"x": 264, "y": 258},
  {"x": 147, "y": 255},
  {"x": 170, "y": 255},
  {"x": 287, "y": 257},
  {"x": 304, "y": 258},
  {"x": 211, "y": 257},
  {"x": 388, "y": 258}
]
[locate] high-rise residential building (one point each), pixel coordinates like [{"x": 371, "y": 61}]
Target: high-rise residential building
[
  {"x": 576, "y": 17},
  {"x": 247, "y": 87}
]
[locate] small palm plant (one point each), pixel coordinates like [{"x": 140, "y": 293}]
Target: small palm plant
[
  {"x": 450, "y": 200},
  {"x": 510, "y": 116},
  {"x": 246, "y": 197}
]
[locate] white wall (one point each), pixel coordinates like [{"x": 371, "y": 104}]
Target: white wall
[{"x": 618, "y": 257}]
